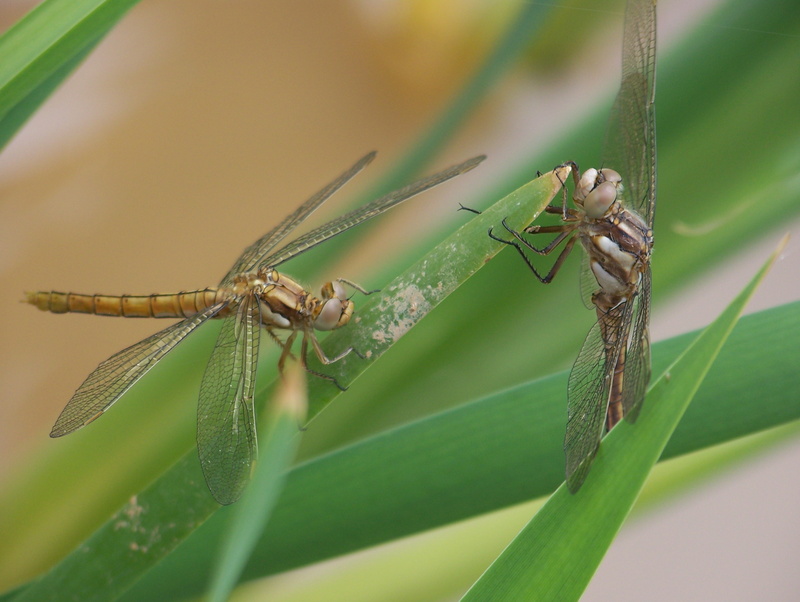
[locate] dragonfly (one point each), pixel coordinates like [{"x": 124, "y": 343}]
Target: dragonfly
[
  {"x": 613, "y": 221},
  {"x": 252, "y": 295}
]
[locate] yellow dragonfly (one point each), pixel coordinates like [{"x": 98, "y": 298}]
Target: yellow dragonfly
[{"x": 252, "y": 295}]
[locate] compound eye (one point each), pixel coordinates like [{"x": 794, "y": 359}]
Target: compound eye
[
  {"x": 329, "y": 315},
  {"x": 600, "y": 200},
  {"x": 333, "y": 290},
  {"x": 339, "y": 291},
  {"x": 585, "y": 185},
  {"x": 609, "y": 175}
]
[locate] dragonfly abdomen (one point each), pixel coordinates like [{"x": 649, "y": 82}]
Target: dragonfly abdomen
[
  {"x": 176, "y": 305},
  {"x": 616, "y": 411}
]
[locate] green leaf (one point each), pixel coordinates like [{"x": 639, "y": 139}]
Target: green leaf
[
  {"x": 42, "y": 49},
  {"x": 493, "y": 453},
  {"x": 556, "y": 554}
]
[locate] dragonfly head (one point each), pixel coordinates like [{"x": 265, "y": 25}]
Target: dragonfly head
[
  {"x": 335, "y": 309},
  {"x": 597, "y": 191}
]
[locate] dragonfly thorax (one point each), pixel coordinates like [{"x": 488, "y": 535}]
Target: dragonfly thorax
[
  {"x": 618, "y": 247},
  {"x": 250, "y": 282},
  {"x": 285, "y": 303}
]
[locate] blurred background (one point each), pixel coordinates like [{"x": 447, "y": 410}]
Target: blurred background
[{"x": 196, "y": 126}]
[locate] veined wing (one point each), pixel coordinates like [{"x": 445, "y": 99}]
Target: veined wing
[
  {"x": 589, "y": 390},
  {"x": 637, "y": 362},
  {"x": 103, "y": 387},
  {"x": 226, "y": 429},
  {"x": 588, "y": 282},
  {"x": 630, "y": 145},
  {"x": 254, "y": 254},
  {"x": 376, "y": 207}
]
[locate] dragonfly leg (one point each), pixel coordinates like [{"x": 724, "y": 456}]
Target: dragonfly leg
[
  {"x": 330, "y": 360},
  {"x": 565, "y": 231},
  {"x": 358, "y": 287},
  {"x": 470, "y": 209},
  {"x": 321, "y": 355},
  {"x": 286, "y": 346},
  {"x": 576, "y": 178}
]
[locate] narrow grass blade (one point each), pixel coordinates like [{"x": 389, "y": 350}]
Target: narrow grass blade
[
  {"x": 38, "y": 53},
  {"x": 279, "y": 431},
  {"x": 556, "y": 554}
]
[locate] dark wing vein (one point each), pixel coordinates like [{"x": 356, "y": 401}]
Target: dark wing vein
[
  {"x": 226, "y": 430},
  {"x": 376, "y": 207},
  {"x": 106, "y": 384},
  {"x": 588, "y": 392},
  {"x": 254, "y": 254},
  {"x": 630, "y": 145}
]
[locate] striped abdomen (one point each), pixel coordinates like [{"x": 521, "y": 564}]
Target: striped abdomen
[{"x": 177, "y": 305}]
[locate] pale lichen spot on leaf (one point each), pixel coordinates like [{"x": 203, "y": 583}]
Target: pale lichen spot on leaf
[
  {"x": 400, "y": 312},
  {"x": 130, "y": 518}
]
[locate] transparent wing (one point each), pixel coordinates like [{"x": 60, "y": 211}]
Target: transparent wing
[
  {"x": 254, "y": 254},
  {"x": 347, "y": 221},
  {"x": 630, "y": 145},
  {"x": 588, "y": 392},
  {"x": 103, "y": 387},
  {"x": 226, "y": 430},
  {"x": 637, "y": 363},
  {"x": 588, "y": 283}
]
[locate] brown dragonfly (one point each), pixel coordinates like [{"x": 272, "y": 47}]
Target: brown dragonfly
[
  {"x": 253, "y": 294},
  {"x": 614, "y": 224}
]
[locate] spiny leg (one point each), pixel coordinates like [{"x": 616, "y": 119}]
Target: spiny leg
[
  {"x": 304, "y": 360},
  {"x": 330, "y": 360},
  {"x": 565, "y": 231},
  {"x": 286, "y": 347}
]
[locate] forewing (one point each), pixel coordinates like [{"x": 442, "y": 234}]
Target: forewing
[
  {"x": 347, "y": 221},
  {"x": 254, "y": 254},
  {"x": 588, "y": 395},
  {"x": 637, "y": 364},
  {"x": 226, "y": 430},
  {"x": 630, "y": 145},
  {"x": 103, "y": 387}
]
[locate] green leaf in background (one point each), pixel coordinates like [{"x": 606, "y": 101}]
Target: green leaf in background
[
  {"x": 43, "y": 48},
  {"x": 556, "y": 554}
]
